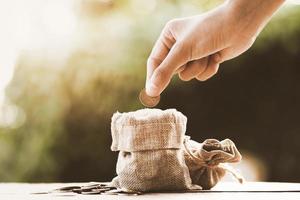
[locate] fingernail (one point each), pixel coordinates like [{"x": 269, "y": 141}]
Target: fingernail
[{"x": 151, "y": 89}]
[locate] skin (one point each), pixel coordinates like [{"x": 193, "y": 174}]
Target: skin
[{"x": 194, "y": 47}]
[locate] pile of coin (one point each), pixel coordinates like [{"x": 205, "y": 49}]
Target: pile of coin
[
  {"x": 94, "y": 188},
  {"x": 147, "y": 100}
]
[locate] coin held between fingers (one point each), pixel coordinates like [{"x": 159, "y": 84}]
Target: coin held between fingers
[{"x": 147, "y": 100}]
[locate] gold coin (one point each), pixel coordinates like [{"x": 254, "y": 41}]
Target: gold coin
[{"x": 147, "y": 100}]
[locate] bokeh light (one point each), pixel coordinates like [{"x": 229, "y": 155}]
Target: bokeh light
[{"x": 252, "y": 168}]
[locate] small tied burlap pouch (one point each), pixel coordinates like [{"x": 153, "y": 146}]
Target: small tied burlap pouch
[
  {"x": 151, "y": 153},
  {"x": 207, "y": 161}
]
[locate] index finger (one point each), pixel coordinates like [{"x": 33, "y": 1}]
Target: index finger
[
  {"x": 161, "y": 76},
  {"x": 159, "y": 52}
]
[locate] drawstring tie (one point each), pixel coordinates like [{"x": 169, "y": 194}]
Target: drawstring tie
[{"x": 198, "y": 159}]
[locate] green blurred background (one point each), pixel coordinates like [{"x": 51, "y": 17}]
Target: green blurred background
[{"x": 68, "y": 65}]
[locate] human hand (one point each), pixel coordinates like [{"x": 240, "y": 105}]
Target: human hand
[{"x": 193, "y": 47}]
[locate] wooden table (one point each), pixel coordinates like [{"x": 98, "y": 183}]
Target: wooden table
[{"x": 223, "y": 191}]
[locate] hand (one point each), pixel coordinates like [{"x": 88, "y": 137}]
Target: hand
[{"x": 193, "y": 47}]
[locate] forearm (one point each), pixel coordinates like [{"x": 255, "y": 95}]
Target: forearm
[{"x": 253, "y": 15}]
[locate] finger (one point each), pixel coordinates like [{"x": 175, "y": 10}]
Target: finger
[
  {"x": 180, "y": 54},
  {"x": 160, "y": 50},
  {"x": 212, "y": 69},
  {"x": 162, "y": 75},
  {"x": 193, "y": 69},
  {"x": 218, "y": 57},
  {"x": 180, "y": 69}
]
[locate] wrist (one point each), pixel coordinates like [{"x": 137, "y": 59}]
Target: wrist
[{"x": 250, "y": 16}]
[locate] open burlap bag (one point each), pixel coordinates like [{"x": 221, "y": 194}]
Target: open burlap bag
[
  {"x": 207, "y": 161},
  {"x": 151, "y": 156}
]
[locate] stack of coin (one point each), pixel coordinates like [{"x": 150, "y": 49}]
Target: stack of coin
[{"x": 147, "y": 100}]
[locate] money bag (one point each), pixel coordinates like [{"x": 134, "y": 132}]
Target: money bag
[
  {"x": 151, "y": 157},
  {"x": 207, "y": 161},
  {"x": 155, "y": 154}
]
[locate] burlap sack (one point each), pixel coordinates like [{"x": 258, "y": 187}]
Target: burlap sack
[
  {"x": 155, "y": 154},
  {"x": 151, "y": 156},
  {"x": 206, "y": 161}
]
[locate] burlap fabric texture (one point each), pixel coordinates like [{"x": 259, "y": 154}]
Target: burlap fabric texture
[
  {"x": 207, "y": 161},
  {"x": 155, "y": 154}
]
